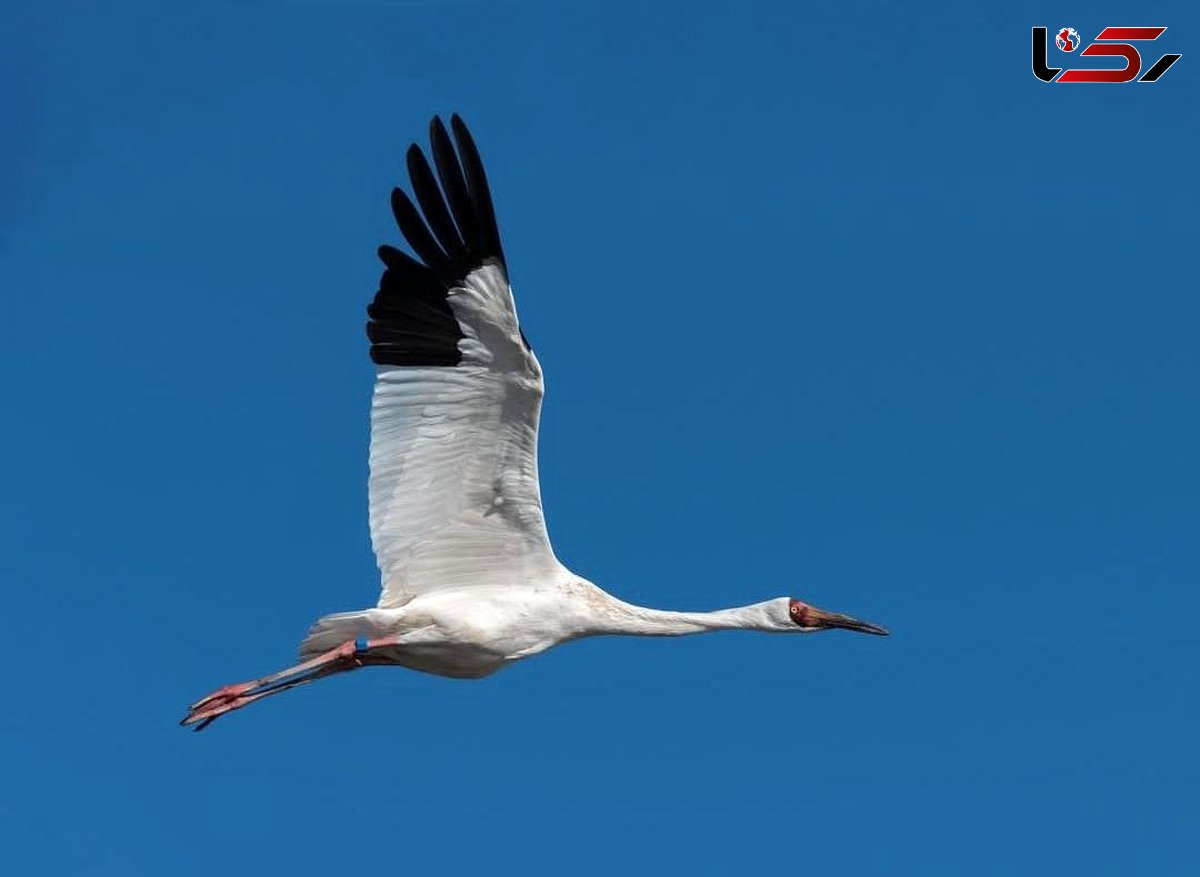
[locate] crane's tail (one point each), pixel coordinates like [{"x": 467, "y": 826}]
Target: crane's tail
[{"x": 331, "y": 631}]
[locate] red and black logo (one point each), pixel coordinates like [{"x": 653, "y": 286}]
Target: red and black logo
[{"x": 1067, "y": 39}]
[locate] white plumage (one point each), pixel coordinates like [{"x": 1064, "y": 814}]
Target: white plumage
[
  {"x": 454, "y": 486},
  {"x": 469, "y": 580}
]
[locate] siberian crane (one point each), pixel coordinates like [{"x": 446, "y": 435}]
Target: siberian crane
[{"x": 470, "y": 583}]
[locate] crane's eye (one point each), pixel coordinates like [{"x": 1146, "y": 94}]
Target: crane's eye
[{"x": 799, "y": 613}]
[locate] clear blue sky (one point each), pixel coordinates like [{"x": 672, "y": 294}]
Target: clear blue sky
[{"x": 834, "y": 301}]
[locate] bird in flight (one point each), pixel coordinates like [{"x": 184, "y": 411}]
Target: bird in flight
[{"x": 470, "y": 582}]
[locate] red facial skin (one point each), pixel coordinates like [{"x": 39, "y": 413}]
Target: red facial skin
[
  {"x": 800, "y": 613},
  {"x": 811, "y": 618}
]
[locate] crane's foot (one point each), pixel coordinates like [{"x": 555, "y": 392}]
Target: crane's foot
[
  {"x": 202, "y": 718},
  {"x": 348, "y": 656}
]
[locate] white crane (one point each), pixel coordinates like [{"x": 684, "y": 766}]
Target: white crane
[{"x": 470, "y": 582}]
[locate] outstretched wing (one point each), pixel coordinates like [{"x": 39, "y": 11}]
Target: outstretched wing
[{"x": 454, "y": 497}]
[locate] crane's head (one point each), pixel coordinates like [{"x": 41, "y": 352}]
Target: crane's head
[{"x": 810, "y": 619}]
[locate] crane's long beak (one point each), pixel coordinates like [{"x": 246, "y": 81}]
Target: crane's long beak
[{"x": 822, "y": 620}]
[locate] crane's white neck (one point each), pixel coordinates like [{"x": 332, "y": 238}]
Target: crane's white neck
[{"x": 626, "y": 618}]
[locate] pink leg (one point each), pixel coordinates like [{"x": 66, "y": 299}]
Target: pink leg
[{"x": 350, "y": 655}]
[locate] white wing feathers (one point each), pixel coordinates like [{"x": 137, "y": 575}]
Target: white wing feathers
[{"x": 454, "y": 499}]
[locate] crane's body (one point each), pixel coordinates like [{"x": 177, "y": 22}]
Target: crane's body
[
  {"x": 466, "y": 633},
  {"x": 470, "y": 582}
]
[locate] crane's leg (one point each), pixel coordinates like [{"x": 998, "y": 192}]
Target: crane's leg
[{"x": 350, "y": 655}]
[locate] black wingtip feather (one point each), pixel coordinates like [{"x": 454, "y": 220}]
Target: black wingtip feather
[
  {"x": 478, "y": 189},
  {"x": 453, "y": 233},
  {"x": 429, "y": 196},
  {"x": 416, "y": 232},
  {"x": 455, "y": 186}
]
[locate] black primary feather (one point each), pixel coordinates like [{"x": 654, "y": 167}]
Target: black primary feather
[{"x": 410, "y": 321}]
